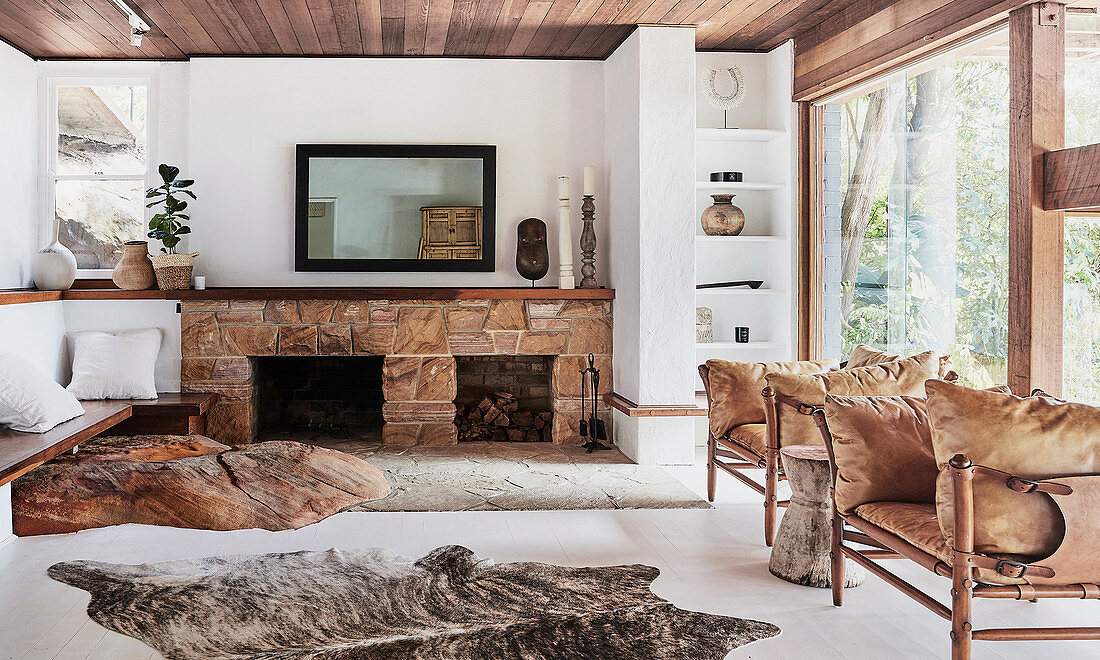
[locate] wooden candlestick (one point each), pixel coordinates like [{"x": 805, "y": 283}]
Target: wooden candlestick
[{"x": 588, "y": 245}]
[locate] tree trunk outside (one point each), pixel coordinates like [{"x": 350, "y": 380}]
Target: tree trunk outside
[{"x": 863, "y": 182}]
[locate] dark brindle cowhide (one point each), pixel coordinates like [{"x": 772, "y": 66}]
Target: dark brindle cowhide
[{"x": 375, "y": 605}]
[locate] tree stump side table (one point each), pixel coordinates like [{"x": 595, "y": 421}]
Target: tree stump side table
[{"x": 802, "y": 545}]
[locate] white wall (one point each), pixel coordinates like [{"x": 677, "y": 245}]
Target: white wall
[
  {"x": 36, "y": 332},
  {"x": 246, "y": 115},
  {"x": 18, "y": 166},
  {"x": 120, "y": 315}
]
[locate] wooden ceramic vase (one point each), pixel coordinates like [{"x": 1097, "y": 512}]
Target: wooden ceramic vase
[
  {"x": 723, "y": 218},
  {"x": 134, "y": 271}
]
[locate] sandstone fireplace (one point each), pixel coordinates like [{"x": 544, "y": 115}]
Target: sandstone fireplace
[{"x": 417, "y": 339}]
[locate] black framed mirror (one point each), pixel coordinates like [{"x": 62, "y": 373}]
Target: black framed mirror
[{"x": 395, "y": 207}]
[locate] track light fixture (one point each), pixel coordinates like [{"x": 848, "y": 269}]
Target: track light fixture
[{"x": 138, "y": 27}]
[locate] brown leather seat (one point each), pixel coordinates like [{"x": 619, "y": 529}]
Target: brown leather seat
[
  {"x": 753, "y": 437},
  {"x": 915, "y": 524},
  {"x": 918, "y": 525}
]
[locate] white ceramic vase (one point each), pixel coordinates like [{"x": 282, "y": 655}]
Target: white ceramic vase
[{"x": 54, "y": 266}]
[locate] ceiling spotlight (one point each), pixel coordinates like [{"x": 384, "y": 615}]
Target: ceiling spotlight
[{"x": 138, "y": 27}]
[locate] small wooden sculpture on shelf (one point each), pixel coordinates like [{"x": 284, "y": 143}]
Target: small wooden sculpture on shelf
[{"x": 532, "y": 255}]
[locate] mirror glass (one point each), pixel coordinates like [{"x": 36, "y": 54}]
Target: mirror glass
[{"x": 393, "y": 212}]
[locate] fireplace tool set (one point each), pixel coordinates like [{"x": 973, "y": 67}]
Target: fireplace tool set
[{"x": 592, "y": 427}]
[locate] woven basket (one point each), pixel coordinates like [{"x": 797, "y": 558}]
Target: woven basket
[{"x": 173, "y": 270}]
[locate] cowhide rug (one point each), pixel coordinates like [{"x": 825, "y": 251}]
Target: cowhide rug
[{"x": 376, "y": 605}]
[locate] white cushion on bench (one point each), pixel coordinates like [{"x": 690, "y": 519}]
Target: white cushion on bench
[
  {"x": 117, "y": 365},
  {"x": 29, "y": 401}
]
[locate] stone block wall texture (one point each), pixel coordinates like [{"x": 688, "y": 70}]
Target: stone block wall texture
[{"x": 418, "y": 339}]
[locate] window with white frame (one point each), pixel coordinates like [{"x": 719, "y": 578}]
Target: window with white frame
[{"x": 98, "y": 163}]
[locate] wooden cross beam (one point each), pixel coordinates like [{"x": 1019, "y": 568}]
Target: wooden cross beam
[{"x": 1071, "y": 178}]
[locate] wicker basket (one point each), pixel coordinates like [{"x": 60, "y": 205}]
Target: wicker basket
[{"x": 173, "y": 270}]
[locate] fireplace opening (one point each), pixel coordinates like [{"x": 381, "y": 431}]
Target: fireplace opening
[
  {"x": 504, "y": 398},
  {"x": 337, "y": 395}
]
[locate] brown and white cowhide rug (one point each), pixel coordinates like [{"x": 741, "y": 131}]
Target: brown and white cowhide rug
[{"x": 376, "y": 605}]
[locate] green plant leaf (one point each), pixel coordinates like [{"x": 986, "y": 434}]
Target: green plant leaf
[
  {"x": 184, "y": 230},
  {"x": 167, "y": 172},
  {"x": 187, "y": 192},
  {"x": 183, "y": 183},
  {"x": 153, "y": 223}
]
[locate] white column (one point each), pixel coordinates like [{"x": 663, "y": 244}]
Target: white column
[{"x": 649, "y": 142}]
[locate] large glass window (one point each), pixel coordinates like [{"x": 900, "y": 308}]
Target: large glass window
[
  {"x": 915, "y": 213},
  {"x": 1082, "y": 237},
  {"x": 99, "y": 167}
]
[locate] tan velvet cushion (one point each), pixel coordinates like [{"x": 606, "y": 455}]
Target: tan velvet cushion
[
  {"x": 1034, "y": 437},
  {"x": 863, "y": 355},
  {"x": 883, "y": 450},
  {"x": 898, "y": 378},
  {"x": 735, "y": 389}
]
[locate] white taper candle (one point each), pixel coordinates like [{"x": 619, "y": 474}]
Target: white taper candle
[{"x": 590, "y": 180}]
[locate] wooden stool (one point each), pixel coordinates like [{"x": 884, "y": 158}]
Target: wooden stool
[{"x": 802, "y": 545}]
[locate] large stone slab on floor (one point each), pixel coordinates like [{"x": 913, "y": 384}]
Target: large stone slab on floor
[{"x": 193, "y": 482}]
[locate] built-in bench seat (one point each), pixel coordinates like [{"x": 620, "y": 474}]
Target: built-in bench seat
[{"x": 22, "y": 452}]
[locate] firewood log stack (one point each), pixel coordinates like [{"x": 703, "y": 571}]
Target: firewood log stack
[{"x": 498, "y": 418}]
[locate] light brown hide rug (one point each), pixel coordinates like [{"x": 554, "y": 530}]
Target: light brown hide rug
[{"x": 376, "y": 605}]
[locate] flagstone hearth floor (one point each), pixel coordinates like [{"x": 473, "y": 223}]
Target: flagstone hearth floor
[{"x": 507, "y": 476}]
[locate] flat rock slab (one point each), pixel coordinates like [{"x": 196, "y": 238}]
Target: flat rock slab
[{"x": 192, "y": 482}]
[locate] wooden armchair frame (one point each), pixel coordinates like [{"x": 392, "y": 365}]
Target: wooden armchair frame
[
  {"x": 719, "y": 450},
  {"x": 964, "y": 588}
]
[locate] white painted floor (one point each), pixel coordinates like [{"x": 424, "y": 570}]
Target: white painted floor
[{"x": 710, "y": 560}]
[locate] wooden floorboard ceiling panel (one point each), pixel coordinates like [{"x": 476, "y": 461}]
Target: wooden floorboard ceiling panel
[{"x": 588, "y": 29}]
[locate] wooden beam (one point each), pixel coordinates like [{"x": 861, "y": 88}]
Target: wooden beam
[
  {"x": 873, "y": 37},
  {"x": 1035, "y": 236},
  {"x": 1071, "y": 178}
]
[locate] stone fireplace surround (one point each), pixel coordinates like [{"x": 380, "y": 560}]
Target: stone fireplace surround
[{"x": 418, "y": 339}]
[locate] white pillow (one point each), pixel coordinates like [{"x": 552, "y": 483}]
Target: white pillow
[
  {"x": 117, "y": 365},
  {"x": 29, "y": 401}
]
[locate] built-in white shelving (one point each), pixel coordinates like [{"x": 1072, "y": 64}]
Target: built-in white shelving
[
  {"x": 732, "y": 345},
  {"x": 739, "y": 239},
  {"x": 738, "y": 292},
  {"x": 743, "y": 134},
  {"x": 737, "y": 185},
  {"x": 763, "y": 151}
]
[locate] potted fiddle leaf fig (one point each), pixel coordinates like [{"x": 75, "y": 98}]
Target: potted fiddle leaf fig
[{"x": 173, "y": 270}]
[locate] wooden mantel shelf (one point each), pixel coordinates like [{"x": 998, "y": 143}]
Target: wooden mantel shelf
[
  {"x": 393, "y": 293},
  {"x": 15, "y": 296}
]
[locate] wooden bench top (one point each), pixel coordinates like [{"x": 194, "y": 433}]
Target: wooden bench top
[
  {"x": 22, "y": 452},
  {"x": 173, "y": 403}
]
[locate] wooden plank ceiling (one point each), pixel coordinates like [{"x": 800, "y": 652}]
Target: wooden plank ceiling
[{"x": 96, "y": 29}]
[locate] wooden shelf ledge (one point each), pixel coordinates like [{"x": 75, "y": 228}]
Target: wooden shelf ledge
[
  {"x": 19, "y": 296},
  {"x": 393, "y": 293},
  {"x": 631, "y": 409}
]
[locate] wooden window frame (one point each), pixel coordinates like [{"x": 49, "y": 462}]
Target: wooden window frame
[{"x": 1044, "y": 180}]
